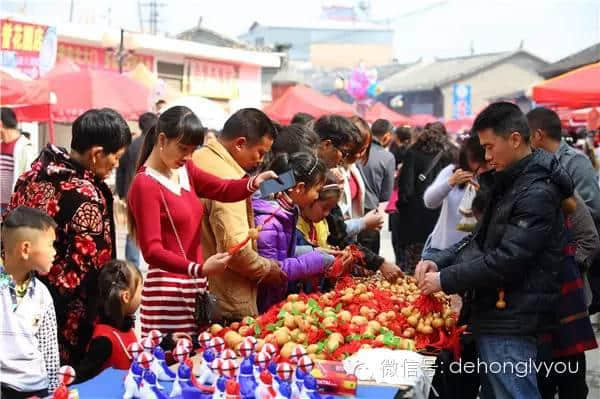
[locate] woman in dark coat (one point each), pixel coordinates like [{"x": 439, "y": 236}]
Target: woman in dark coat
[
  {"x": 70, "y": 187},
  {"x": 430, "y": 153}
]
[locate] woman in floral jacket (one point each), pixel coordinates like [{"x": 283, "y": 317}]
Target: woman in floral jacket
[{"x": 70, "y": 187}]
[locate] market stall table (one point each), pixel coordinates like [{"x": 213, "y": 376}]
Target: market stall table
[{"x": 109, "y": 385}]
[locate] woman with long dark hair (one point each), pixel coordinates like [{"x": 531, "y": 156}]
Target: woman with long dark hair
[
  {"x": 165, "y": 216},
  {"x": 424, "y": 160},
  {"x": 448, "y": 189}
]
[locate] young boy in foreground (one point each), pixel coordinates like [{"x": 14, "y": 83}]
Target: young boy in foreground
[{"x": 30, "y": 359}]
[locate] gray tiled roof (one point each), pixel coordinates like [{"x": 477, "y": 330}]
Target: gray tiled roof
[
  {"x": 442, "y": 71},
  {"x": 586, "y": 56}
]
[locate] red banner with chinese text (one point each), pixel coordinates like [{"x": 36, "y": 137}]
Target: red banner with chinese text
[
  {"x": 100, "y": 58},
  {"x": 29, "y": 48},
  {"x": 211, "y": 79}
]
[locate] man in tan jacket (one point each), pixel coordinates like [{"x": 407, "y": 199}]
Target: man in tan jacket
[{"x": 247, "y": 136}]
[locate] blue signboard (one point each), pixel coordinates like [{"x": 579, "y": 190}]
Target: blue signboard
[{"x": 461, "y": 101}]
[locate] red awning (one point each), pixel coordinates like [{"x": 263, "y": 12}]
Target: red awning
[
  {"x": 576, "y": 89},
  {"x": 30, "y": 99},
  {"x": 304, "y": 99},
  {"x": 459, "y": 125},
  {"x": 16, "y": 92},
  {"x": 380, "y": 111},
  {"x": 78, "y": 91},
  {"x": 585, "y": 117}
]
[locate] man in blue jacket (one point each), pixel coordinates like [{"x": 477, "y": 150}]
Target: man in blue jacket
[{"x": 515, "y": 252}]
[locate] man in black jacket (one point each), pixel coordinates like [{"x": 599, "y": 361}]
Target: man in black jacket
[{"x": 515, "y": 253}]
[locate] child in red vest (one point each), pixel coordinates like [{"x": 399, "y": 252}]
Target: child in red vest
[{"x": 119, "y": 296}]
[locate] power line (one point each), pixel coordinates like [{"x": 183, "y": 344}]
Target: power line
[{"x": 154, "y": 21}]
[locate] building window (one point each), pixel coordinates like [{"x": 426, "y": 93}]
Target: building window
[
  {"x": 171, "y": 73},
  {"x": 259, "y": 42}
]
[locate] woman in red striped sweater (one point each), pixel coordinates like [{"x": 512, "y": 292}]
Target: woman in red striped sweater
[{"x": 165, "y": 216}]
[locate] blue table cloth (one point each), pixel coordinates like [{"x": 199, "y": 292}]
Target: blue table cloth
[{"x": 109, "y": 385}]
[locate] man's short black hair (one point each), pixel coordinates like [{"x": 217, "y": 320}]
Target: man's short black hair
[
  {"x": 295, "y": 138},
  {"x": 9, "y": 118},
  {"x": 25, "y": 217},
  {"x": 251, "y": 123},
  {"x": 547, "y": 120},
  {"x": 160, "y": 102},
  {"x": 337, "y": 129},
  {"x": 403, "y": 133},
  {"x": 100, "y": 127},
  {"x": 302, "y": 118},
  {"x": 381, "y": 127},
  {"x": 146, "y": 121},
  {"x": 503, "y": 118}
]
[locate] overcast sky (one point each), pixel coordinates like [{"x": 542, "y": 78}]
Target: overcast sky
[{"x": 550, "y": 29}]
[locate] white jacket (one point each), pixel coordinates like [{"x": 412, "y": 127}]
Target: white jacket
[
  {"x": 352, "y": 209},
  {"x": 23, "y": 156}
]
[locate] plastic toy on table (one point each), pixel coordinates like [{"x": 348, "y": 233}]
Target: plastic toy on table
[
  {"x": 284, "y": 391},
  {"x": 298, "y": 384},
  {"x": 133, "y": 380},
  {"x": 220, "y": 387},
  {"x": 310, "y": 390},
  {"x": 148, "y": 344},
  {"x": 155, "y": 336},
  {"x": 270, "y": 349},
  {"x": 182, "y": 381},
  {"x": 217, "y": 344},
  {"x": 159, "y": 366},
  {"x": 66, "y": 376},
  {"x": 229, "y": 368},
  {"x": 185, "y": 343},
  {"x": 134, "y": 349},
  {"x": 150, "y": 389},
  {"x": 206, "y": 374},
  {"x": 272, "y": 368},
  {"x": 297, "y": 353},
  {"x": 204, "y": 340},
  {"x": 261, "y": 361},
  {"x": 232, "y": 390},
  {"x": 228, "y": 354},
  {"x": 246, "y": 348},
  {"x": 265, "y": 389},
  {"x": 246, "y": 379}
]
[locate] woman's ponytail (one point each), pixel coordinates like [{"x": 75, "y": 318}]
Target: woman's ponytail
[{"x": 149, "y": 143}]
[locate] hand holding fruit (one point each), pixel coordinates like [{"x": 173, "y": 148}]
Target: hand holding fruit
[
  {"x": 423, "y": 267},
  {"x": 430, "y": 283},
  {"x": 390, "y": 271}
]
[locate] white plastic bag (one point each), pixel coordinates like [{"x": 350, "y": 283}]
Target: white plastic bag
[{"x": 467, "y": 222}]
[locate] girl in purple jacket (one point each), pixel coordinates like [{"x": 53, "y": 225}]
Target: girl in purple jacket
[{"x": 277, "y": 239}]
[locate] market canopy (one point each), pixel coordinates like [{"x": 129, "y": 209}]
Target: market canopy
[
  {"x": 78, "y": 91},
  {"x": 422, "y": 119},
  {"x": 32, "y": 100},
  {"x": 585, "y": 117},
  {"x": 380, "y": 111},
  {"x": 459, "y": 125},
  {"x": 576, "y": 89},
  {"x": 304, "y": 99}
]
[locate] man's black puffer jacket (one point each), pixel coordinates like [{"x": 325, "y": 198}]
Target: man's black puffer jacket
[{"x": 518, "y": 246}]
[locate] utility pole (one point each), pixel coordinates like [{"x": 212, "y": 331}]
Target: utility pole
[
  {"x": 153, "y": 7},
  {"x": 71, "y": 11}
]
